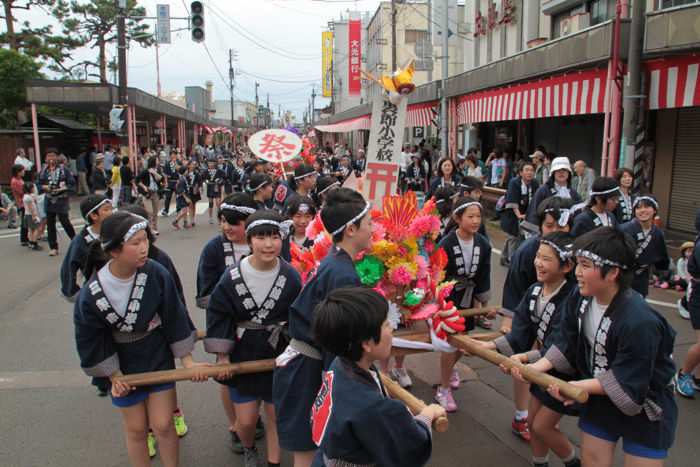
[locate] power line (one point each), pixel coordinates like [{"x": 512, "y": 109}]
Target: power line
[
  {"x": 240, "y": 30},
  {"x": 211, "y": 59},
  {"x": 274, "y": 80}
]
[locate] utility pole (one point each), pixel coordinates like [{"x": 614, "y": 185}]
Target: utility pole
[
  {"x": 269, "y": 115},
  {"x": 445, "y": 70},
  {"x": 393, "y": 36},
  {"x": 634, "y": 103},
  {"x": 158, "y": 89},
  {"x": 230, "y": 84},
  {"x": 121, "y": 47},
  {"x": 257, "y": 105},
  {"x": 430, "y": 39},
  {"x": 313, "y": 103}
]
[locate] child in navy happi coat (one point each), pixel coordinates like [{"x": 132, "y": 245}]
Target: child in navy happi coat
[
  {"x": 354, "y": 421},
  {"x": 129, "y": 319},
  {"x": 94, "y": 209},
  {"x": 534, "y": 328},
  {"x": 346, "y": 216},
  {"x": 651, "y": 248},
  {"x": 468, "y": 263},
  {"x": 624, "y": 211},
  {"x": 214, "y": 180},
  {"x": 300, "y": 210},
  {"x": 605, "y": 194},
  {"x": 621, "y": 349},
  {"x": 246, "y": 320}
]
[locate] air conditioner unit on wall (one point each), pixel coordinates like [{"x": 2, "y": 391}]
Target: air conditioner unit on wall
[{"x": 575, "y": 23}]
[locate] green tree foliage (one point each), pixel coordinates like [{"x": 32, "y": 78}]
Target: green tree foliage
[{"x": 15, "y": 69}]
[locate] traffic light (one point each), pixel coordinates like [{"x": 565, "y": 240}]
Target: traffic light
[
  {"x": 197, "y": 21},
  {"x": 116, "y": 122}
]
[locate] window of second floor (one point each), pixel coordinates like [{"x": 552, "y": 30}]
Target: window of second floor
[{"x": 663, "y": 4}]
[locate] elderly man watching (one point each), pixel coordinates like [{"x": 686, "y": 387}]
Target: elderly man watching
[{"x": 583, "y": 179}]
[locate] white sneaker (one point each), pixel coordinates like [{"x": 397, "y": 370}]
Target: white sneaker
[
  {"x": 401, "y": 376},
  {"x": 682, "y": 311}
]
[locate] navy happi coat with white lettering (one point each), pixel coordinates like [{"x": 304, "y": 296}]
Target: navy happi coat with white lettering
[
  {"x": 650, "y": 251},
  {"x": 474, "y": 283},
  {"x": 217, "y": 255},
  {"x": 521, "y": 273},
  {"x": 632, "y": 361},
  {"x": 74, "y": 261},
  {"x": 153, "y": 332},
  {"x": 297, "y": 377},
  {"x": 587, "y": 220},
  {"x": 355, "y": 423},
  {"x": 231, "y": 309}
]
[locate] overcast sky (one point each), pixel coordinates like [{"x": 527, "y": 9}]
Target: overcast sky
[{"x": 291, "y": 27}]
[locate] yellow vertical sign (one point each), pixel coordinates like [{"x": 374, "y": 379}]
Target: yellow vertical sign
[{"x": 327, "y": 63}]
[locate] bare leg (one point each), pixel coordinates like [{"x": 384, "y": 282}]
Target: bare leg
[
  {"x": 229, "y": 409},
  {"x": 271, "y": 438},
  {"x": 545, "y": 434},
  {"x": 634, "y": 461},
  {"x": 303, "y": 458},
  {"x": 135, "y": 423},
  {"x": 247, "y": 416},
  {"x": 161, "y": 406},
  {"x": 521, "y": 393},
  {"x": 692, "y": 359},
  {"x": 447, "y": 364},
  {"x": 596, "y": 452}
]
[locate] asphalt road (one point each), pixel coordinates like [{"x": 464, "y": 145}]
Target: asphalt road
[{"x": 50, "y": 415}]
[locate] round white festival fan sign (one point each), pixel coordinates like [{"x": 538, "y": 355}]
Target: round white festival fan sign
[{"x": 275, "y": 145}]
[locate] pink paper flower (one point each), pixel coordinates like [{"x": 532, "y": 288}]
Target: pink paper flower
[
  {"x": 422, "y": 267},
  {"x": 400, "y": 275}
]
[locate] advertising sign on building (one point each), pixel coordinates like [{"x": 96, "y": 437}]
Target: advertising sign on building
[
  {"x": 385, "y": 137},
  {"x": 354, "y": 55},
  {"x": 327, "y": 63}
]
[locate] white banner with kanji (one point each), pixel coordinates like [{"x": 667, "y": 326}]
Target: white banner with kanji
[
  {"x": 275, "y": 145},
  {"x": 384, "y": 150}
]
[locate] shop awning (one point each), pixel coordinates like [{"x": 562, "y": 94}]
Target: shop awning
[
  {"x": 569, "y": 94},
  {"x": 359, "y": 123},
  {"x": 673, "y": 82},
  {"x": 425, "y": 114}
]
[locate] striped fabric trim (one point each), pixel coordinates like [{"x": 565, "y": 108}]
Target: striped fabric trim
[
  {"x": 420, "y": 115},
  {"x": 558, "y": 96},
  {"x": 673, "y": 82}
]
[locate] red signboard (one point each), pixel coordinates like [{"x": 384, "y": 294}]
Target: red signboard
[{"x": 354, "y": 55}]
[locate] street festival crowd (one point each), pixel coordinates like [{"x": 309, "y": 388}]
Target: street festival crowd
[{"x": 306, "y": 272}]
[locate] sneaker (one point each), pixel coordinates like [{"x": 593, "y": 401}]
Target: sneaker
[
  {"x": 211, "y": 221},
  {"x": 24, "y": 243},
  {"x": 401, "y": 376},
  {"x": 102, "y": 392},
  {"x": 443, "y": 396},
  {"x": 236, "y": 445},
  {"x": 53, "y": 252},
  {"x": 685, "y": 314},
  {"x": 12, "y": 226},
  {"x": 151, "y": 444},
  {"x": 259, "y": 429},
  {"x": 455, "y": 379},
  {"x": 175, "y": 225},
  {"x": 684, "y": 385},
  {"x": 521, "y": 429},
  {"x": 251, "y": 457},
  {"x": 36, "y": 247},
  {"x": 696, "y": 383},
  {"x": 180, "y": 425},
  {"x": 164, "y": 213}
]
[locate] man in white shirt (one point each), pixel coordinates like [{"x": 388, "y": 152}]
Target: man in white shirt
[{"x": 22, "y": 160}]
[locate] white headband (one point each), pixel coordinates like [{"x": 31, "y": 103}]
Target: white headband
[
  {"x": 262, "y": 184},
  {"x": 564, "y": 255},
  {"x": 303, "y": 208},
  {"x": 282, "y": 226},
  {"x": 241, "y": 209},
  {"x": 597, "y": 260},
  {"x": 464, "y": 206},
  {"x": 313, "y": 172},
  {"x": 329, "y": 187},
  {"x": 605, "y": 192},
  {"x": 141, "y": 225},
  {"x": 351, "y": 221},
  {"x": 564, "y": 215},
  {"x": 98, "y": 206},
  {"x": 648, "y": 199}
]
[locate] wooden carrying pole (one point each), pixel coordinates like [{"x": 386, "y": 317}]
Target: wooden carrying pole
[
  {"x": 541, "y": 379},
  {"x": 415, "y": 405},
  {"x": 183, "y": 374},
  {"x": 473, "y": 312}
]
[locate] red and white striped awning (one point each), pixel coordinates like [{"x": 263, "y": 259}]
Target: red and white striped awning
[
  {"x": 673, "y": 82},
  {"x": 421, "y": 114},
  {"x": 570, "y": 94},
  {"x": 359, "y": 123}
]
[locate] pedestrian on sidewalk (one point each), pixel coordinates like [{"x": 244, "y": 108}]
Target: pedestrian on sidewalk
[
  {"x": 57, "y": 183},
  {"x": 17, "y": 187},
  {"x": 116, "y": 182},
  {"x": 8, "y": 211},
  {"x": 81, "y": 167},
  {"x": 99, "y": 177}
]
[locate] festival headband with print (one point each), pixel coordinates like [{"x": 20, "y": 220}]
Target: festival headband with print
[
  {"x": 328, "y": 187},
  {"x": 308, "y": 174},
  {"x": 564, "y": 254},
  {"x": 464, "y": 206},
  {"x": 564, "y": 215},
  {"x": 241, "y": 209},
  {"x": 303, "y": 208},
  {"x": 256, "y": 188},
  {"x": 597, "y": 260},
  {"x": 647, "y": 199},
  {"x": 283, "y": 226},
  {"x": 605, "y": 192},
  {"x": 97, "y": 206},
  {"x": 351, "y": 221},
  {"x": 142, "y": 224}
]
